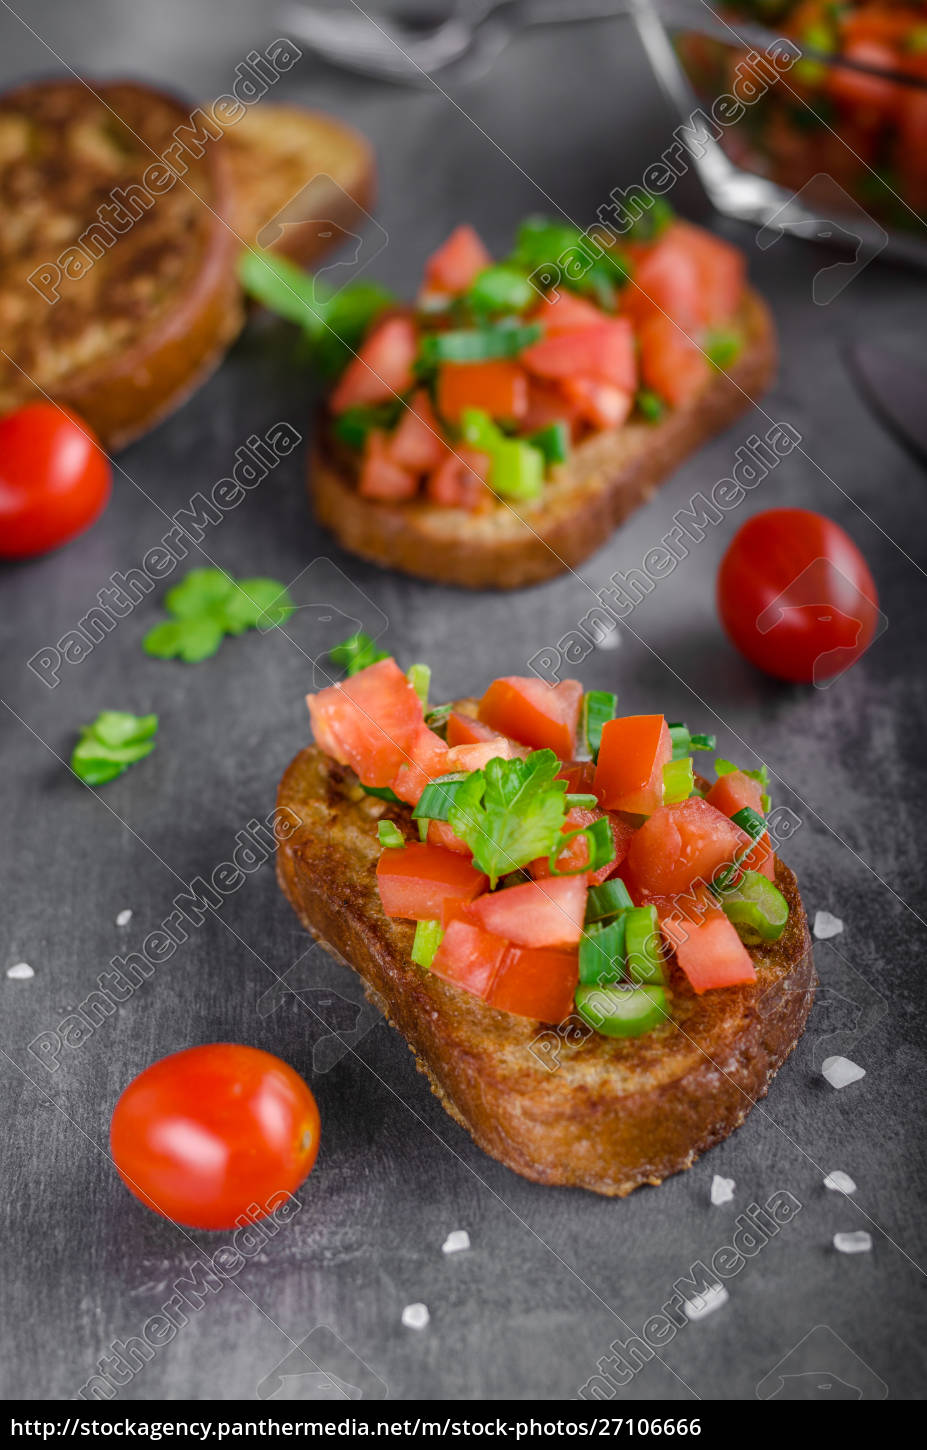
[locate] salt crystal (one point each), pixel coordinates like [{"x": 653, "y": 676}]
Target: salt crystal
[
  {"x": 840, "y": 1182},
  {"x": 456, "y": 1241},
  {"x": 722, "y": 1189},
  {"x": 612, "y": 640},
  {"x": 415, "y": 1316},
  {"x": 706, "y": 1303},
  {"x": 856, "y": 1243},
  {"x": 826, "y": 925},
  {"x": 124, "y": 918},
  {"x": 20, "y": 972},
  {"x": 840, "y": 1071}
]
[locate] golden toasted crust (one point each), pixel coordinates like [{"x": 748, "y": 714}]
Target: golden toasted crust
[
  {"x": 147, "y": 296},
  {"x": 606, "y": 478},
  {"x": 300, "y": 180},
  {"x": 599, "y": 1113}
]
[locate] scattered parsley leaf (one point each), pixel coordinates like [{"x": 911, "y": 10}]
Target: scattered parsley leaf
[
  {"x": 511, "y": 812},
  {"x": 114, "y": 741},
  {"x": 206, "y": 606},
  {"x": 356, "y": 652}
]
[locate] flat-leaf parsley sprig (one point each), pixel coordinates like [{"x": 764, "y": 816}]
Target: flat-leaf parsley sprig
[{"x": 207, "y": 605}]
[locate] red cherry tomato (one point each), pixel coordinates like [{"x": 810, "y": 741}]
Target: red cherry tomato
[
  {"x": 54, "y": 479},
  {"x": 203, "y": 1135},
  {"x": 795, "y": 595}
]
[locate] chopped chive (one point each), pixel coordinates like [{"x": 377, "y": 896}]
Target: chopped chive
[
  {"x": 438, "y": 797},
  {"x": 419, "y": 677},
  {"x": 601, "y": 954},
  {"x": 609, "y": 899},
  {"x": 703, "y": 742},
  {"x": 601, "y": 847},
  {"x": 643, "y": 949},
  {"x": 678, "y": 780},
  {"x": 389, "y": 834},
  {"x": 382, "y": 792},
  {"x": 599, "y": 706},
  {"x": 581, "y": 802},
  {"x": 650, "y": 405},
  {"x": 553, "y": 441},
  {"x": 479, "y": 344},
  {"x": 427, "y": 939},
  {"x": 500, "y": 288}
]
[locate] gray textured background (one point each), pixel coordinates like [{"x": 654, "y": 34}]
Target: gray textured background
[{"x": 553, "y": 1276}]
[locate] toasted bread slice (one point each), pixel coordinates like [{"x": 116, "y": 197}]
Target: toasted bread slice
[
  {"x": 592, "y": 1112},
  {"x": 302, "y": 180},
  {"x": 509, "y": 546},
  {"x": 133, "y": 297}
]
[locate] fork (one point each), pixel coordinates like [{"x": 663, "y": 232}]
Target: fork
[{"x": 393, "y": 49}]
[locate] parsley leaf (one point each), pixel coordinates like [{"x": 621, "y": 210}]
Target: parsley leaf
[
  {"x": 114, "y": 741},
  {"x": 206, "y": 606},
  {"x": 356, "y": 652},
  {"x": 511, "y": 812}
]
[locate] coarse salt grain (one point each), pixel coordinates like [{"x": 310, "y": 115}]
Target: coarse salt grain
[
  {"x": 855, "y": 1243},
  {"x": 20, "y": 972},
  {"x": 456, "y": 1241},
  {"x": 612, "y": 640},
  {"x": 840, "y": 1071},
  {"x": 706, "y": 1303},
  {"x": 415, "y": 1316},
  {"x": 826, "y": 925},
  {"x": 124, "y": 918},
  {"x": 722, "y": 1189},
  {"x": 840, "y": 1182}
]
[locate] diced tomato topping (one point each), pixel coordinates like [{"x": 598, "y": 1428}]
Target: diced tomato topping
[
  {"x": 479, "y": 754},
  {"x": 417, "y": 443},
  {"x": 605, "y": 352},
  {"x": 459, "y": 481},
  {"x": 369, "y": 722},
  {"x": 538, "y": 914},
  {"x": 538, "y": 714},
  {"x": 457, "y": 263},
  {"x": 665, "y": 281},
  {"x": 380, "y": 476},
  {"x": 761, "y": 857},
  {"x": 601, "y": 404},
  {"x": 565, "y": 312},
  {"x": 466, "y": 730},
  {"x": 548, "y": 403},
  {"x": 629, "y": 772},
  {"x": 469, "y": 957},
  {"x": 720, "y": 272},
  {"x": 706, "y": 944},
  {"x": 579, "y": 776},
  {"x": 499, "y": 387},
  {"x": 682, "y": 844},
  {"x": 671, "y": 363},
  {"x": 440, "y": 834},
  {"x": 418, "y": 881},
  {"x": 861, "y": 91},
  {"x": 427, "y": 760},
  {"x": 732, "y": 792},
  {"x": 382, "y": 368},
  {"x": 536, "y": 982},
  {"x": 575, "y": 854}
]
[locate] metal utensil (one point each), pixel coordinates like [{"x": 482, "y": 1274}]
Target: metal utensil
[
  {"x": 394, "y": 50},
  {"x": 897, "y": 392}
]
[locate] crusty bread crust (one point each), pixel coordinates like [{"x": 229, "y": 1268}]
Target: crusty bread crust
[
  {"x": 131, "y": 336},
  {"x": 612, "y": 1114},
  {"x": 302, "y": 181},
  {"x": 606, "y": 478}
]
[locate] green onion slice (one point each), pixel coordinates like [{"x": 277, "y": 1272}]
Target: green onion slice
[
  {"x": 643, "y": 946},
  {"x": 553, "y": 441},
  {"x": 621, "y": 1011},
  {"x": 601, "y": 847},
  {"x": 607, "y": 900},
  {"x": 599, "y": 706},
  {"x": 478, "y": 344},
  {"x": 757, "y": 908},
  {"x": 601, "y": 953},
  {"x": 427, "y": 939},
  {"x": 389, "y": 834},
  {"x": 419, "y": 677},
  {"x": 678, "y": 780},
  {"x": 382, "y": 792},
  {"x": 438, "y": 797}
]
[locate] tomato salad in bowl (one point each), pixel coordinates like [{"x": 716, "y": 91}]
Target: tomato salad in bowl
[{"x": 558, "y": 858}]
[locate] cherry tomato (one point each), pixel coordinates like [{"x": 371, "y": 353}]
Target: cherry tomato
[
  {"x": 204, "y": 1135},
  {"x": 54, "y": 479},
  {"x": 796, "y": 596}
]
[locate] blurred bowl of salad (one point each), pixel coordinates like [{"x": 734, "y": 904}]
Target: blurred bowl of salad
[{"x": 827, "y": 136}]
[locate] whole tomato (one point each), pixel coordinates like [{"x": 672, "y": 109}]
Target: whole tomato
[
  {"x": 54, "y": 479},
  {"x": 205, "y": 1134},
  {"x": 796, "y": 596}
]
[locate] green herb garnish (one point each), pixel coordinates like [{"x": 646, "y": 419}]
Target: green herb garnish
[
  {"x": 511, "y": 812},
  {"x": 356, "y": 652},
  {"x": 389, "y": 834},
  {"x": 207, "y": 605},
  {"x": 111, "y": 744}
]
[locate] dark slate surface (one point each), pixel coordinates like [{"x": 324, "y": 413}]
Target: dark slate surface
[{"x": 553, "y": 1276}]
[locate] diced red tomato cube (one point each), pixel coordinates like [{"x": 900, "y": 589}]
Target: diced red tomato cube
[
  {"x": 417, "y": 443},
  {"x": 426, "y": 760},
  {"x": 575, "y": 854},
  {"x": 481, "y": 752},
  {"x": 720, "y": 272},
  {"x": 538, "y": 714},
  {"x": 548, "y": 403},
  {"x": 629, "y": 771},
  {"x": 382, "y": 367},
  {"x": 536, "y": 982},
  {"x": 732, "y": 792},
  {"x": 469, "y": 957},
  {"x": 565, "y": 312},
  {"x": 671, "y": 363},
  {"x": 440, "y": 834},
  {"x": 466, "y": 730},
  {"x": 456, "y": 263},
  {"x": 601, "y": 404},
  {"x": 369, "y": 722},
  {"x": 417, "y": 881},
  {"x": 706, "y": 944},
  {"x": 579, "y": 776},
  {"x": 862, "y": 91},
  {"x": 665, "y": 280},
  {"x": 499, "y": 387},
  {"x": 459, "y": 481},
  {"x": 682, "y": 844},
  {"x": 538, "y": 914},
  {"x": 380, "y": 476},
  {"x": 605, "y": 351}
]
